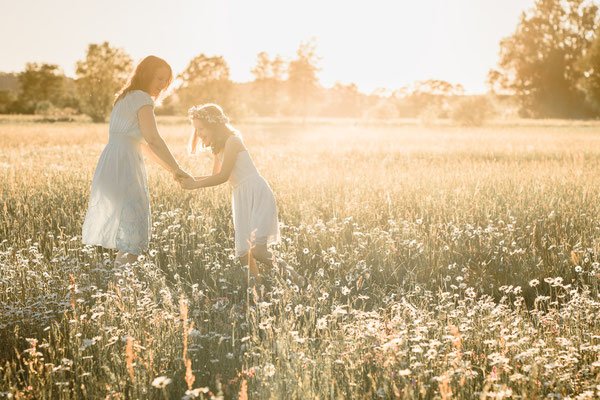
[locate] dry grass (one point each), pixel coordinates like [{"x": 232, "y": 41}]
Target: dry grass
[{"x": 443, "y": 262}]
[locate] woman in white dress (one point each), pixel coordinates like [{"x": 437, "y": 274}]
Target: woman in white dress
[
  {"x": 254, "y": 210},
  {"x": 118, "y": 215}
]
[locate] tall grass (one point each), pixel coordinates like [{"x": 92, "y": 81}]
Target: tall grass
[{"x": 443, "y": 262}]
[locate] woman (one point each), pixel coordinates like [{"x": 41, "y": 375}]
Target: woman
[{"x": 118, "y": 215}]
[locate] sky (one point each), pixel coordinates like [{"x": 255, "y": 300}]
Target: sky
[{"x": 374, "y": 44}]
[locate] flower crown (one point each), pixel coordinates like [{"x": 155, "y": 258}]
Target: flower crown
[{"x": 199, "y": 112}]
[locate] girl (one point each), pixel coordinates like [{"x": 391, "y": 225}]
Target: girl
[
  {"x": 118, "y": 215},
  {"x": 254, "y": 210}
]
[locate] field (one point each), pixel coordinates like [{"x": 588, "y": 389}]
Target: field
[{"x": 443, "y": 262}]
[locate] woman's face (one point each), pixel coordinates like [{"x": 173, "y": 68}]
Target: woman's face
[
  {"x": 204, "y": 133},
  {"x": 160, "y": 81}
]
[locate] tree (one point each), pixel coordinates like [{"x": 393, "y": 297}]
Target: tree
[
  {"x": 39, "y": 83},
  {"x": 205, "y": 80},
  {"x": 302, "y": 77},
  {"x": 471, "y": 111},
  {"x": 539, "y": 61},
  {"x": 589, "y": 80},
  {"x": 100, "y": 75},
  {"x": 427, "y": 98},
  {"x": 7, "y": 101},
  {"x": 344, "y": 101},
  {"x": 268, "y": 81}
]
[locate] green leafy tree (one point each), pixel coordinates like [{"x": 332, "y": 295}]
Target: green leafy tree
[
  {"x": 7, "y": 101},
  {"x": 539, "y": 62},
  {"x": 589, "y": 80},
  {"x": 40, "y": 83},
  {"x": 100, "y": 75},
  {"x": 302, "y": 78},
  {"x": 205, "y": 79}
]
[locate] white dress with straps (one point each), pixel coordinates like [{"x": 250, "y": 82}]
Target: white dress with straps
[
  {"x": 118, "y": 215},
  {"x": 253, "y": 204}
]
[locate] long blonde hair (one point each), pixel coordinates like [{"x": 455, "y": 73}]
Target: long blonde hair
[
  {"x": 214, "y": 118},
  {"x": 143, "y": 75}
]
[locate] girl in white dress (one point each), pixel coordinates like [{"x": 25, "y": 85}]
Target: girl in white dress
[
  {"x": 118, "y": 215},
  {"x": 254, "y": 210}
]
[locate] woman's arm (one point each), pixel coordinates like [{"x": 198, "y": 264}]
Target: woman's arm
[
  {"x": 148, "y": 151},
  {"x": 156, "y": 144},
  {"x": 232, "y": 147}
]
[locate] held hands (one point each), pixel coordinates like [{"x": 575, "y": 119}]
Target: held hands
[
  {"x": 188, "y": 183},
  {"x": 185, "y": 180},
  {"x": 180, "y": 175}
]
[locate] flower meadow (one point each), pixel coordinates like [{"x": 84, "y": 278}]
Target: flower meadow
[{"x": 442, "y": 263}]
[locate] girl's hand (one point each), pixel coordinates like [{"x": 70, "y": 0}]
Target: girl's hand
[{"x": 188, "y": 183}]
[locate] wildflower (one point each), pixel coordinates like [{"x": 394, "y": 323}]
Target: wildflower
[
  {"x": 322, "y": 323},
  {"x": 417, "y": 349},
  {"x": 305, "y": 251},
  {"x": 194, "y": 393},
  {"x": 339, "y": 310},
  {"x": 264, "y": 324},
  {"x": 345, "y": 291},
  {"x": 161, "y": 382},
  {"x": 534, "y": 282},
  {"x": 269, "y": 370},
  {"x": 404, "y": 372},
  {"x": 557, "y": 281}
]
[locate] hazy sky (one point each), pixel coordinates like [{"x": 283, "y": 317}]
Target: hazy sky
[{"x": 374, "y": 43}]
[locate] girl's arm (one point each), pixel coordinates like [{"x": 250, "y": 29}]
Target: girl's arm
[
  {"x": 216, "y": 164},
  {"x": 232, "y": 147},
  {"x": 216, "y": 168},
  {"x": 156, "y": 143}
]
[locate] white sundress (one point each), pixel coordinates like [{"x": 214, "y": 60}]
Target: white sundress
[
  {"x": 253, "y": 205},
  {"x": 118, "y": 215}
]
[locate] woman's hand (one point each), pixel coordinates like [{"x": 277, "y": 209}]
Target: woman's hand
[
  {"x": 180, "y": 175},
  {"x": 188, "y": 183}
]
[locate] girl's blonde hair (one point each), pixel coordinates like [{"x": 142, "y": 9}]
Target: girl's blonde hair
[
  {"x": 214, "y": 118},
  {"x": 143, "y": 75}
]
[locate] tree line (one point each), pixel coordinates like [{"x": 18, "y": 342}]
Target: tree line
[
  {"x": 279, "y": 88},
  {"x": 548, "y": 68}
]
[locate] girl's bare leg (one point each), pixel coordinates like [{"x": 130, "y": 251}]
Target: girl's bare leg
[{"x": 262, "y": 254}]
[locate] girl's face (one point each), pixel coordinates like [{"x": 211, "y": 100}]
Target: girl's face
[
  {"x": 160, "y": 81},
  {"x": 204, "y": 133}
]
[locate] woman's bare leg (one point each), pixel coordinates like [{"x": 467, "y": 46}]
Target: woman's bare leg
[
  {"x": 250, "y": 263},
  {"x": 124, "y": 258}
]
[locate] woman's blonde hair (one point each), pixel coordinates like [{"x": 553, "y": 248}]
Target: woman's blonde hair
[
  {"x": 143, "y": 75},
  {"x": 214, "y": 118}
]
